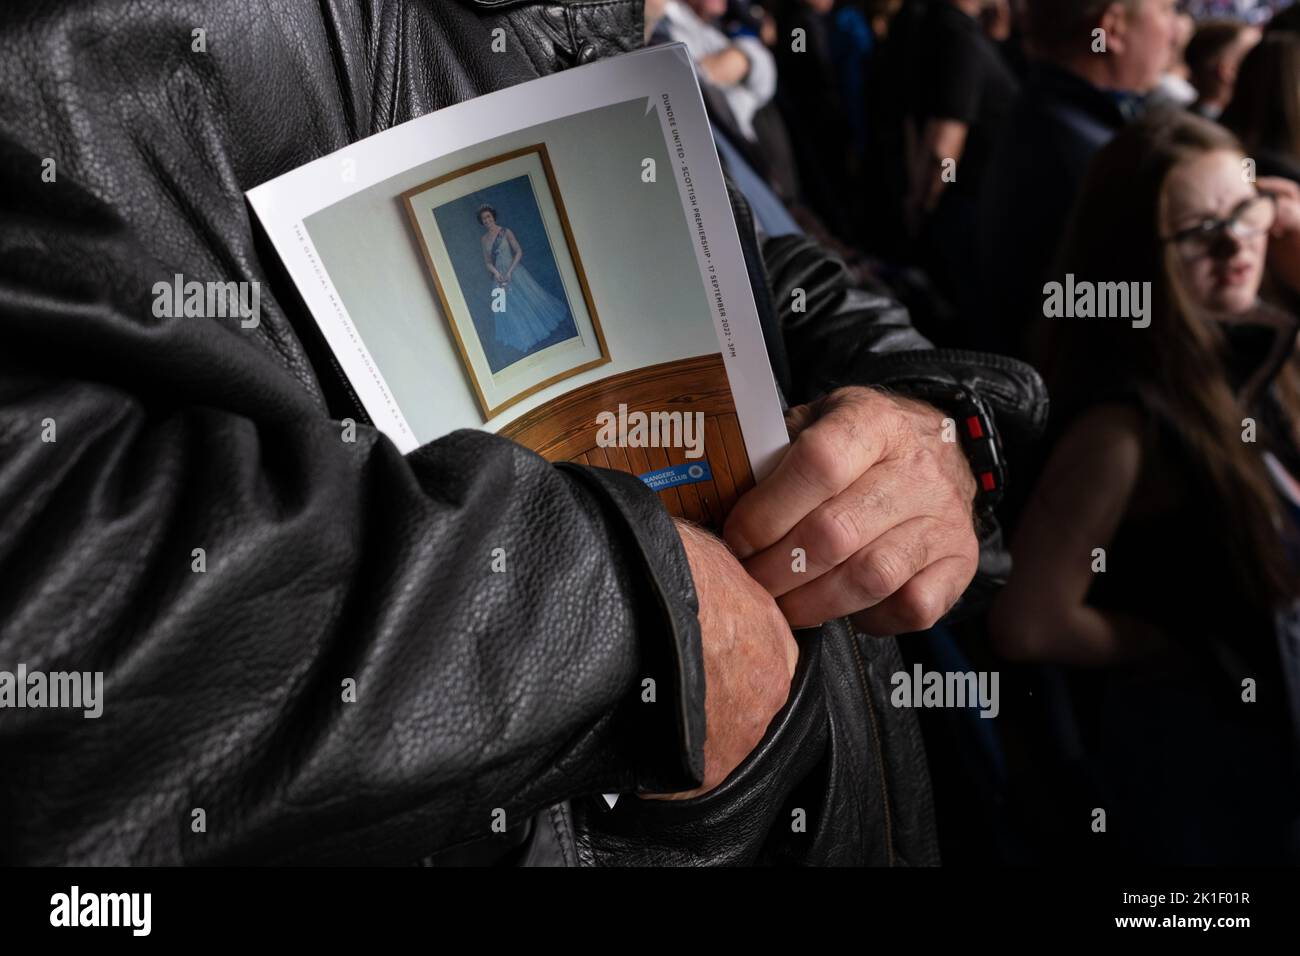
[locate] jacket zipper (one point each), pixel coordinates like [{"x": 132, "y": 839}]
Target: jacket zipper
[{"x": 875, "y": 743}]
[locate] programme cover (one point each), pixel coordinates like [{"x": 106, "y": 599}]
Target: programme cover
[{"x": 557, "y": 263}]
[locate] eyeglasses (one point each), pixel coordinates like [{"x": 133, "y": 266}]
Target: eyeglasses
[{"x": 1251, "y": 218}]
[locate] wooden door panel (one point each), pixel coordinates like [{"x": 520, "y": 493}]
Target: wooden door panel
[{"x": 565, "y": 429}]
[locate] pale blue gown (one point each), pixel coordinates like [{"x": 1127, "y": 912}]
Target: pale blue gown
[{"x": 531, "y": 313}]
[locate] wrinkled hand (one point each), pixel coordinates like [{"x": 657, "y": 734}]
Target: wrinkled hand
[
  {"x": 749, "y": 656},
  {"x": 881, "y": 507}
]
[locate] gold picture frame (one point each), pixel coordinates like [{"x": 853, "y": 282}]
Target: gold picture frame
[{"x": 454, "y": 303}]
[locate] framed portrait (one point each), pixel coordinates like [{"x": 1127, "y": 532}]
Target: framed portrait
[{"x": 501, "y": 254}]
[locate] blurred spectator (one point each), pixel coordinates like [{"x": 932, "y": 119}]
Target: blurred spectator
[
  {"x": 1174, "y": 87},
  {"x": 741, "y": 68},
  {"x": 964, "y": 94},
  {"x": 1159, "y": 544},
  {"x": 1075, "y": 100},
  {"x": 1214, "y": 55},
  {"x": 737, "y": 79},
  {"x": 860, "y": 26},
  {"x": 770, "y": 213},
  {"x": 1265, "y": 107},
  {"x": 809, "y": 95}
]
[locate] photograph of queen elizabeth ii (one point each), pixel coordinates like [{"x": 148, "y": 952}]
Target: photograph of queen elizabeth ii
[
  {"x": 526, "y": 312},
  {"x": 503, "y": 259}
]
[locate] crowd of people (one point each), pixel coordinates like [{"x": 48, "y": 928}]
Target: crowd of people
[{"x": 963, "y": 155}]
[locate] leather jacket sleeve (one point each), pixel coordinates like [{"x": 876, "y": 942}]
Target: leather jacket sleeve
[
  {"x": 846, "y": 335},
  {"x": 225, "y": 671},
  {"x": 129, "y": 442}
]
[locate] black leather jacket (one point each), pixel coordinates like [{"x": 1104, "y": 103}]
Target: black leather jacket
[{"x": 481, "y": 698}]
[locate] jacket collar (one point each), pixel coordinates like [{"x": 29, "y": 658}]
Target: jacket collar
[{"x": 564, "y": 33}]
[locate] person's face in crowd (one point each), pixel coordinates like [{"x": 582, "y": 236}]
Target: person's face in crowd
[
  {"x": 1142, "y": 40},
  {"x": 1219, "y": 270}
]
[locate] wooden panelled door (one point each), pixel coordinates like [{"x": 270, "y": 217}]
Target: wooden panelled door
[{"x": 566, "y": 429}]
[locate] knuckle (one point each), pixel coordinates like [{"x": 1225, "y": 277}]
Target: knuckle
[
  {"x": 859, "y": 395},
  {"x": 920, "y": 608},
  {"x": 820, "y": 460},
  {"x": 836, "y": 533},
  {"x": 879, "y": 573}
]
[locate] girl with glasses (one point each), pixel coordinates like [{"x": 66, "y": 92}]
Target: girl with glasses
[{"x": 1160, "y": 551}]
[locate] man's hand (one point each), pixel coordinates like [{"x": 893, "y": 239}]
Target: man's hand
[
  {"x": 881, "y": 507},
  {"x": 749, "y": 656}
]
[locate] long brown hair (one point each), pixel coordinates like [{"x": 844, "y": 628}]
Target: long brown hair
[
  {"x": 1178, "y": 364},
  {"x": 1265, "y": 107}
]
